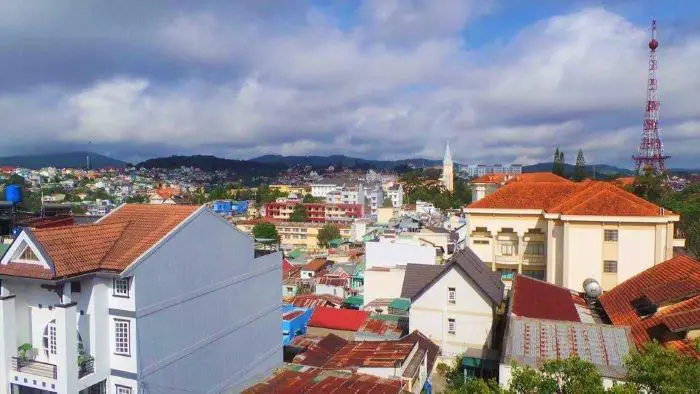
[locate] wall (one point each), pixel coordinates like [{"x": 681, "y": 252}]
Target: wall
[
  {"x": 219, "y": 306},
  {"x": 386, "y": 254},
  {"x": 583, "y": 254},
  {"x": 473, "y": 314},
  {"x": 636, "y": 250},
  {"x": 383, "y": 284},
  {"x": 337, "y": 291}
]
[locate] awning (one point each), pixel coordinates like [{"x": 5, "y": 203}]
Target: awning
[
  {"x": 402, "y": 304},
  {"x": 355, "y": 300}
]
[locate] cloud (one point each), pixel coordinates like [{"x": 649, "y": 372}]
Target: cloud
[{"x": 389, "y": 80}]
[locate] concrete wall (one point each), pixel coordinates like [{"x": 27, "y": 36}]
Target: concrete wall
[
  {"x": 208, "y": 313},
  {"x": 583, "y": 254},
  {"x": 383, "y": 284},
  {"x": 473, "y": 314},
  {"x": 337, "y": 291},
  {"x": 386, "y": 254},
  {"x": 637, "y": 245}
]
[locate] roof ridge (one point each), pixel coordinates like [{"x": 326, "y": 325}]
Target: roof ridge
[{"x": 586, "y": 197}]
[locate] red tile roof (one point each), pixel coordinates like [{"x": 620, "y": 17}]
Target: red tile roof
[
  {"x": 318, "y": 381},
  {"x": 338, "y": 319},
  {"x": 111, "y": 244},
  {"x": 675, "y": 312},
  {"x": 585, "y": 198},
  {"x": 526, "y": 177},
  {"x": 540, "y": 300},
  {"x": 315, "y": 264},
  {"x": 286, "y": 266}
]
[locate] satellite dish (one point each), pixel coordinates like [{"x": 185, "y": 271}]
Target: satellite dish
[{"x": 592, "y": 288}]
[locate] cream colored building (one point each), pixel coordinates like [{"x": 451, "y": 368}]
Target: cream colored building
[
  {"x": 297, "y": 235},
  {"x": 566, "y": 232}
]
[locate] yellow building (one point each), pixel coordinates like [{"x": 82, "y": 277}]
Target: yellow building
[
  {"x": 565, "y": 232},
  {"x": 297, "y": 235},
  {"x": 291, "y": 189}
]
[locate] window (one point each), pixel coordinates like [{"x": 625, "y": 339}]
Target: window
[
  {"x": 121, "y": 337},
  {"x": 451, "y": 326},
  {"x": 610, "y": 236},
  {"x": 122, "y": 389},
  {"x": 535, "y": 248},
  {"x": 538, "y": 274},
  {"x": 451, "y": 295},
  {"x": 28, "y": 255},
  {"x": 610, "y": 267},
  {"x": 508, "y": 249},
  {"x": 290, "y": 289},
  {"x": 121, "y": 287},
  {"x": 50, "y": 338},
  {"x": 481, "y": 230},
  {"x": 481, "y": 242}
]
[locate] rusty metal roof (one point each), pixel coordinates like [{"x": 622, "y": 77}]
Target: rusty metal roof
[
  {"x": 371, "y": 354},
  {"x": 382, "y": 328}
]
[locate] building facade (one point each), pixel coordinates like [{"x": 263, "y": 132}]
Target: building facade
[
  {"x": 296, "y": 235},
  {"x": 448, "y": 175},
  {"x": 116, "y": 306},
  {"x": 316, "y": 212},
  {"x": 567, "y": 232}
]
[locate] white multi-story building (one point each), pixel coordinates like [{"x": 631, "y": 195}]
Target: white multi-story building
[
  {"x": 150, "y": 299},
  {"x": 395, "y": 194},
  {"x": 375, "y": 197},
  {"x": 322, "y": 189},
  {"x": 476, "y": 170}
]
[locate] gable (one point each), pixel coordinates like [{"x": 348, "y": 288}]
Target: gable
[
  {"x": 25, "y": 251},
  {"x": 469, "y": 295}
]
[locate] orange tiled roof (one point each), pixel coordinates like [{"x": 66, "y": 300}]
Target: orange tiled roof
[
  {"x": 526, "y": 177},
  {"x": 315, "y": 264},
  {"x": 677, "y": 312},
  {"x": 585, "y": 198},
  {"x": 111, "y": 244},
  {"x": 624, "y": 181}
]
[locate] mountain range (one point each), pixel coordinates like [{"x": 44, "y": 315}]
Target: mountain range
[
  {"x": 268, "y": 165},
  {"x": 62, "y": 160}
]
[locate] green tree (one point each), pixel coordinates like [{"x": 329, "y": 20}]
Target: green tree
[
  {"x": 580, "y": 169},
  {"x": 572, "y": 375},
  {"x": 649, "y": 185},
  {"x": 326, "y": 234},
  {"x": 556, "y": 162},
  {"x": 687, "y": 204},
  {"x": 299, "y": 214},
  {"x": 661, "y": 370},
  {"x": 309, "y": 199},
  {"x": 387, "y": 203},
  {"x": 136, "y": 199},
  {"x": 218, "y": 193},
  {"x": 265, "y": 230}
]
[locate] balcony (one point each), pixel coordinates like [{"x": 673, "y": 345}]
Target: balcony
[
  {"x": 86, "y": 365},
  {"x": 503, "y": 259},
  {"x": 36, "y": 368},
  {"x": 534, "y": 259}
]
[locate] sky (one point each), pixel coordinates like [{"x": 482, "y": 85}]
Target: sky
[{"x": 504, "y": 81}]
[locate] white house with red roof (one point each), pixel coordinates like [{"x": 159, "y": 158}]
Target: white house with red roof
[
  {"x": 565, "y": 232},
  {"x": 150, "y": 299}
]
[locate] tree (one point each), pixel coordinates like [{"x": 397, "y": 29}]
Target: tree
[
  {"x": 649, "y": 185},
  {"x": 387, "y": 203},
  {"x": 572, "y": 375},
  {"x": 580, "y": 169},
  {"x": 326, "y": 234},
  {"x": 661, "y": 370},
  {"x": 309, "y": 199},
  {"x": 556, "y": 163},
  {"x": 265, "y": 230},
  {"x": 137, "y": 199},
  {"x": 299, "y": 214}
]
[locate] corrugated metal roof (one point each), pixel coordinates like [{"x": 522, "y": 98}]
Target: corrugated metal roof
[{"x": 533, "y": 341}]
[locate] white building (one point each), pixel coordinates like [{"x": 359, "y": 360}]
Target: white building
[
  {"x": 395, "y": 194},
  {"x": 455, "y": 304},
  {"x": 375, "y": 197},
  {"x": 150, "y": 299},
  {"x": 448, "y": 176},
  {"x": 322, "y": 189},
  {"x": 476, "y": 170}
]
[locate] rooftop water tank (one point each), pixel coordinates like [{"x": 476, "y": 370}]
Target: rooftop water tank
[
  {"x": 13, "y": 193},
  {"x": 592, "y": 288}
]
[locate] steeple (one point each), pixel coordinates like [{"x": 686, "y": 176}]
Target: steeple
[{"x": 448, "y": 156}]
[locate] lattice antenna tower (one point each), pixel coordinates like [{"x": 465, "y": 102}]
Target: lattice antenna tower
[{"x": 650, "y": 153}]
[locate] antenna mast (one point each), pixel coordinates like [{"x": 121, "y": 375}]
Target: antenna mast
[{"x": 650, "y": 153}]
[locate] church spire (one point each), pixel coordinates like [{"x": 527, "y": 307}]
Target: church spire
[{"x": 448, "y": 156}]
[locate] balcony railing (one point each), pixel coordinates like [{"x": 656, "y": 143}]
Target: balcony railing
[
  {"x": 533, "y": 259},
  {"x": 87, "y": 367},
  {"x": 32, "y": 367},
  {"x": 507, "y": 259}
]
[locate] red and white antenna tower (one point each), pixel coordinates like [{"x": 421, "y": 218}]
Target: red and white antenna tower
[{"x": 651, "y": 150}]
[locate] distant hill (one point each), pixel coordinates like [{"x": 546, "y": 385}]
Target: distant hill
[
  {"x": 600, "y": 169},
  {"x": 61, "y": 160},
  {"x": 213, "y": 163},
  {"x": 345, "y": 161}
]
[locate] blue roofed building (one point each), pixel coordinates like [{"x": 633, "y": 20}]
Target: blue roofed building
[{"x": 294, "y": 321}]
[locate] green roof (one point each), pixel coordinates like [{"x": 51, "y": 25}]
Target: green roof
[
  {"x": 294, "y": 253},
  {"x": 386, "y": 317},
  {"x": 359, "y": 269},
  {"x": 3, "y": 248},
  {"x": 355, "y": 300},
  {"x": 336, "y": 242},
  {"x": 402, "y": 304}
]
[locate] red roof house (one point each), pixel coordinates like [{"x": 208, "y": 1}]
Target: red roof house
[{"x": 338, "y": 319}]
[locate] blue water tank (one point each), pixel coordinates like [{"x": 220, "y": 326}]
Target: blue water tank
[{"x": 13, "y": 193}]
